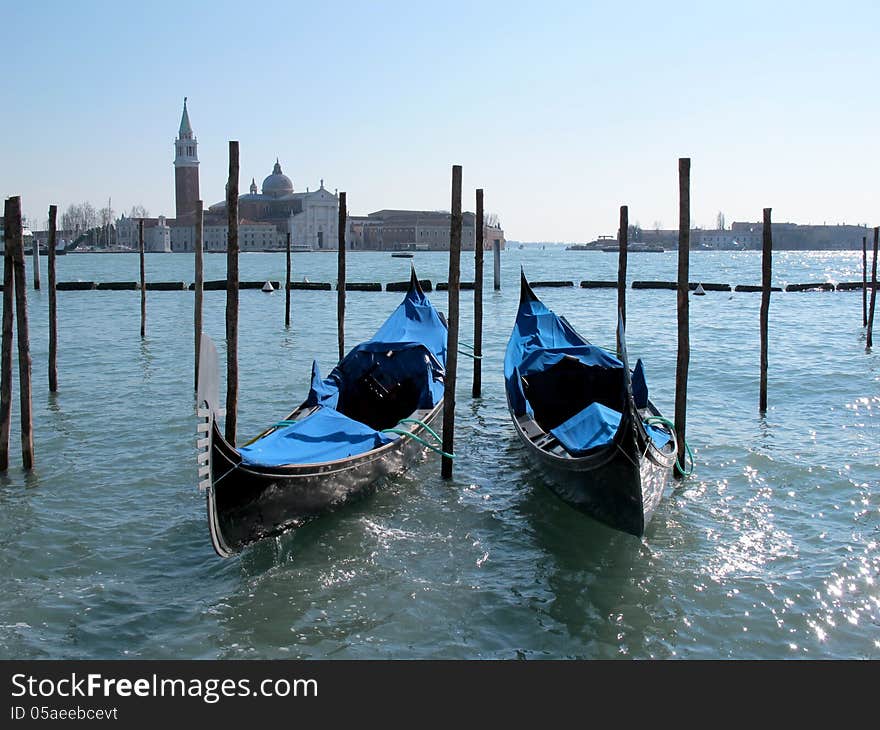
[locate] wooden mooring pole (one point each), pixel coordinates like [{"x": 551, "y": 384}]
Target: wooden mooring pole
[
  {"x": 24, "y": 347},
  {"x": 766, "y": 267},
  {"x": 9, "y": 212},
  {"x": 869, "y": 343},
  {"x": 479, "y": 245},
  {"x": 143, "y": 279},
  {"x": 199, "y": 247},
  {"x": 232, "y": 295},
  {"x": 864, "y": 281},
  {"x": 452, "y": 333},
  {"x": 622, "y": 242},
  {"x": 53, "y": 302},
  {"x": 340, "y": 278},
  {"x": 287, "y": 287},
  {"x": 684, "y": 345},
  {"x": 35, "y": 250},
  {"x": 496, "y": 256}
]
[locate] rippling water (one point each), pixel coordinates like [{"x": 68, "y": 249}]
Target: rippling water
[{"x": 769, "y": 550}]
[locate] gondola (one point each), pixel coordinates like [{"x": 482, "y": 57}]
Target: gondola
[
  {"x": 585, "y": 419},
  {"x": 369, "y": 418}
]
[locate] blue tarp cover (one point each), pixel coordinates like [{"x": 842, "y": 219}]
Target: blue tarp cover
[
  {"x": 539, "y": 340},
  {"x": 325, "y": 435},
  {"x": 416, "y": 337},
  {"x": 595, "y": 426}
]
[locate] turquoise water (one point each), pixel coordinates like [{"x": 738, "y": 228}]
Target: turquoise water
[{"x": 769, "y": 551}]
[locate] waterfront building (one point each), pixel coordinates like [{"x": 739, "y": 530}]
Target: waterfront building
[
  {"x": 416, "y": 230},
  {"x": 157, "y": 234}
]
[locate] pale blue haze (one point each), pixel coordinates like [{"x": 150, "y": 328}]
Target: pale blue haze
[{"x": 562, "y": 111}]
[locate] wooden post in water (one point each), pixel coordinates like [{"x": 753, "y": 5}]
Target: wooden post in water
[
  {"x": 870, "y": 339},
  {"x": 10, "y": 207},
  {"x": 53, "y": 304},
  {"x": 143, "y": 279},
  {"x": 479, "y": 244},
  {"x": 622, "y": 243},
  {"x": 684, "y": 345},
  {"x": 199, "y": 284},
  {"x": 35, "y": 249},
  {"x": 232, "y": 295},
  {"x": 496, "y": 254},
  {"x": 340, "y": 278},
  {"x": 766, "y": 266},
  {"x": 24, "y": 347},
  {"x": 452, "y": 333},
  {"x": 287, "y": 287},
  {"x": 864, "y": 281}
]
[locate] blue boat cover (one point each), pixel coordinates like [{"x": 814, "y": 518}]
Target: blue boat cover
[
  {"x": 540, "y": 339},
  {"x": 411, "y": 343},
  {"x": 595, "y": 426},
  {"x": 325, "y": 435}
]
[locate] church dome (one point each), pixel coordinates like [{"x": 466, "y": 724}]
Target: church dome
[{"x": 277, "y": 184}]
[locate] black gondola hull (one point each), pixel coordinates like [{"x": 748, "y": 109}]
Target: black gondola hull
[
  {"x": 616, "y": 486},
  {"x": 247, "y": 504}
]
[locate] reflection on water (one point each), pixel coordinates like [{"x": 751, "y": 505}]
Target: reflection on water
[{"x": 769, "y": 550}]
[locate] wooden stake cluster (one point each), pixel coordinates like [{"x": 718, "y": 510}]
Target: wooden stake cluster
[
  {"x": 143, "y": 279},
  {"x": 232, "y": 295},
  {"x": 53, "y": 305},
  {"x": 287, "y": 287},
  {"x": 14, "y": 277},
  {"x": 622, "y": 242},
  {"x": 684, "y": 345},
  {"x": 478, "y": 299},
  {"x": 870, "y": 337},
  {"x": 452, "y": 334},
  {"x": 199, "y": 284},
  {"x": 340, "y": 278},
  {"x": 766, "y": 265}
]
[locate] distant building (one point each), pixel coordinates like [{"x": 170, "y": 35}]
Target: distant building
[
  {"x": 186, "y": 169},
  {"x": 252, "y": 236},
  {"x": 415, "y": 230},
  {"x": 266, "y": 215},
  {"x": 269, "y": 214},
  {"x": 157, "y": 234}
]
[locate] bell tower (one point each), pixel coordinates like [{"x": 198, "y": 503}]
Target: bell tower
[{"x": 186, "y": 168}]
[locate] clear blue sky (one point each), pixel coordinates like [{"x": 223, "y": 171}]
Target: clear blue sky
[{"x": 562, "y": 111}]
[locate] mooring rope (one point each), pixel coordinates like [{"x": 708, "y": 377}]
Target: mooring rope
[
  {"x": 410, "y": 434},
  {"x": 688, "y": 453}
]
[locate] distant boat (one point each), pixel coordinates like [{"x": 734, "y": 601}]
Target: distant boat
[
  {"x": 636, "y": 248},
  {"x": 402, "y": 255}
]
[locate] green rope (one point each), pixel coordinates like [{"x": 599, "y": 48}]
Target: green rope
[
  {"x": 465, "y": 344},
  {"x": 689, "y": 454},
  {"x": 404, "y": 432},
  {"x": 423, "y": 425},
  {"x": 470, "y": 355}
]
